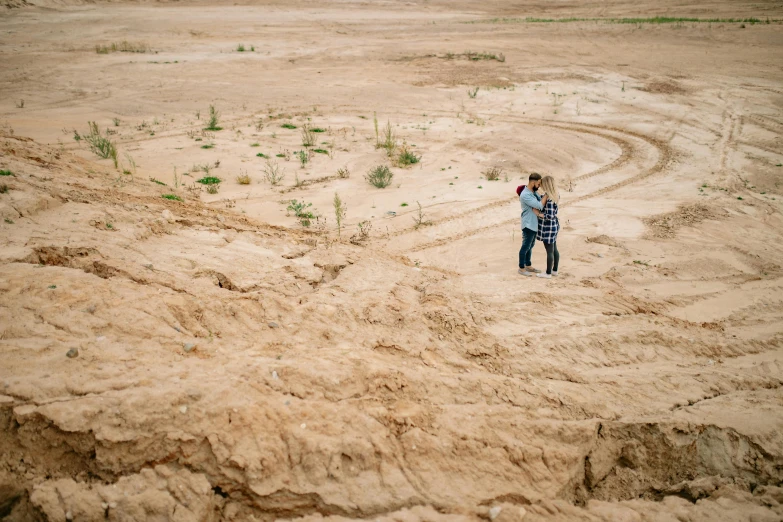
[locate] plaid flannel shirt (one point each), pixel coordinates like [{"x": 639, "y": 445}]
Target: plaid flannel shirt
[{"x": 549, "y": 225}]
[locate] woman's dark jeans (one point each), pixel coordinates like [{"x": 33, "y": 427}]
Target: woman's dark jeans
[
  {"x": 552, "y": 257},
  {"x": 526, "y": 252}
]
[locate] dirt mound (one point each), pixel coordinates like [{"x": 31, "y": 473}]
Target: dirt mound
[
  {"x": 664, "y": 87},
  {"x": 665, "y": 226}
]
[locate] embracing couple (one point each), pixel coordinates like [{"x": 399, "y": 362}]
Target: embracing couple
[{"x": 539, "y": 201}]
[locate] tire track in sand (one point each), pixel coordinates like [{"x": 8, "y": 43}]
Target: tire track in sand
[{"x": 665, "y": 155}]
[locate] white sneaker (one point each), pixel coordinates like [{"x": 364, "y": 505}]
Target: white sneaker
[
  {"x": 544, "y": 275},
  {"x": 554, "y": 274}
]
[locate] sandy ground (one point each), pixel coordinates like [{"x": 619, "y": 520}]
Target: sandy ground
[{"x": 227, "y": 363}]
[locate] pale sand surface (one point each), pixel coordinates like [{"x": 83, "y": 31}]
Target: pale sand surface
[{"x": 235, "y": 365}]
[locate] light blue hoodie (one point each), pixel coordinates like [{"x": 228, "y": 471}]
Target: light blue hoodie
[{"x": 529, "y": 201}]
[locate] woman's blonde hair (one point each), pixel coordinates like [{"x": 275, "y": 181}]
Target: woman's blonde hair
[{"x": 550, "y": 187}]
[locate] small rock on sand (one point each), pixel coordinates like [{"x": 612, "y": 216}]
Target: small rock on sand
[
  {"x": 72, "y": 353},
  {"x": 188, "y": 347},
  {"x": 274, "y": 325},
  {"x": 494, "y": 512}
]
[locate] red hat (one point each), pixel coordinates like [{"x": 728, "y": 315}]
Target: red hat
[{"x": 520, "y": 189}]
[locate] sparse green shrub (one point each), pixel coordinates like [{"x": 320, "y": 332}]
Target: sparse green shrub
[
  {"x": 380, "y": 176},
  {"x": 300, "y": 210},
  {"x": 99, "y": 144},
  {"x": 406, "y": 157},
  {"x": 340, "y": 210},
  {"x": 172, "y": 197},
  {"x": 308, "y": 138},
  {"x": 321, "y": 151},
  {"x": 6, "y": 173},
  {"x": 273, "y": 173},
  {"x": 288, "y": 126},
  {"x": 419, "y": 219},
  {"x": 317, "y": 129},
  {"x": 262, "y": 155},
  {"x": 208, "y": 146},
  {"x": 241, "y": 48},
  {"x": 389, "y": 139},
  {"x": 493, "y": 173},
  {"x": 304, "y": 157},
  {"x": 209, "y": 180},
  {"x": 214, "y": 116}
]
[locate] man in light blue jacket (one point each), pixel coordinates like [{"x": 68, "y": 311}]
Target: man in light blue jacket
[{"x": 531, "y": 203}]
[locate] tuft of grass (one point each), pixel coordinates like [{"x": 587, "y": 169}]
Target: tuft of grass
[
  {"x": 172, "y": 197},
  {"x": 100, "y": 145},
  {"x": 321, "y": 151},
  {"x": 241, "y": 48},
  {"x": 638, "y": 262},
  {"x": 380, "y": 176},
  {"x": 122, "y": 47},
  {"x": 473, "y": 92},
  {"x": 280, "y": 155},
  {"x": 243, "y": 179},
  {"x": 212, "y": 123},
  {"x": 262, "y": 155},
  {"x": 213, "y": 189},
  {"x": 157, "y": 181},
  {"x": 493, "y": 173},
  {"x": 208, "y": 146},
  {"x": 6, "y": 173},
  {"x": 116, "y": 122},
  {"x": 406, "y": 157},
  {"x": 403, "y": 204},
  {"x": 209, "y": 180},
  {"x": 4, "y": 188},
  {"x": 389, "y": 141},
  {"x": 288, "y": 126},
  {"x": 343, "y": 173},
  {"x": 255, "y": 144},
  {"x": 317, "y": 129},
  {"x": 9, "y": 221}
]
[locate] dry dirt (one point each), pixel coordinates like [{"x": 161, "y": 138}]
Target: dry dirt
[{"x": 213, "y": 359}]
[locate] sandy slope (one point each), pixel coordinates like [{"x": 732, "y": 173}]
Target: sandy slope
[{"x": 234, "y": 365}]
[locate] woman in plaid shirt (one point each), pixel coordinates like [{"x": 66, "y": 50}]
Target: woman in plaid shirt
[{"x": 548, "y": 226}]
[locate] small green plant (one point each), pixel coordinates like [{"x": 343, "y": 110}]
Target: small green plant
[
  {"x": 343, "y": 173},
  {"x": 262, "y": 155},
  {"x": 172, "y": 197},
  {"x": 321, "y": 151},
  {"x": 739, "y": 198},
  {"x": 9, "y": 221},
  {"x": 20, "y": 104},
  {"x": 304, "y": 157},
  {"x": 389, "y": 139},
  {"x": 6, "y": 173},
  {"x": 209, "y": 145},
  {"x": 241, "y": 48},
  {"x": 473, "y": 92},
  {"x": 638, "y": 262},
  {"x": 340, "y": 210},
  {"x": 214, "y": 116},
  {"x": 493, "y": 173},
  {"x": 300, "y": 210},
  {"x": 157, "y": 181},
  {"x": 317, "y": 130},
  {"x": 273, "y": 173},
  {"x": 76, "y": 137},
  {"x": 288, "y": 126},
  {"x": 480, "y": 187},
  {"x": 52, "y": 287},
  {"x": 255, "y": 144},
  {"x": 252, "y": 48},
  {"x": 419, "y": 219},
  {"x": 280, "y": 155},
  {"x": 406, "y": 157},
  {"x": 243, "y": 179},
  {"x": 209, "y": 180},
  {"x": 109, "y": 226},
  {"x": 308, "y": 138},
  {"x": 380, "y": 176},
  {"x": 403, "y": 204}
]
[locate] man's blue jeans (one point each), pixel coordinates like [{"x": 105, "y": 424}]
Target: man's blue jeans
[{"x": 526, "y": 252}]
